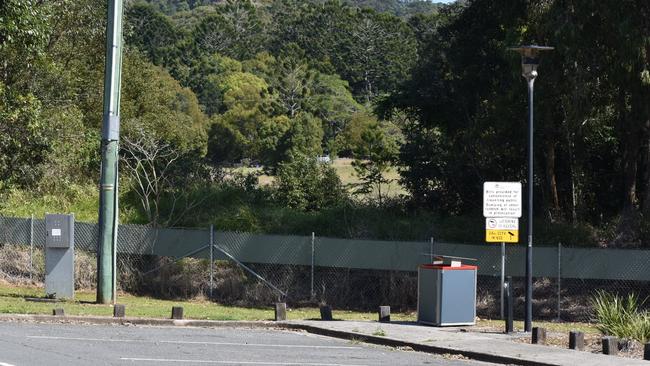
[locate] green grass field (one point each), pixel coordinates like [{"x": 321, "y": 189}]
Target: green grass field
[{"x": 346, "y": 173}]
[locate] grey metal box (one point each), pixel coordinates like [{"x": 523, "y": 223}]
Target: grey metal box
[
  {"x": 446, "y": 295},
  {"x": 59, "y": 256},
  {"x": 59, "y": 231}
]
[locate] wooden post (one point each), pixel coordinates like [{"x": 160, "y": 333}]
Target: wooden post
[
  {"x": 280, "y": 311},
  {"x": 119, "y": 310},
  {"x": 326, "y": 312},
  {"x": 539, "y": 335},
  {"x": 610, "y": 345},
  {"x": 576, "y": 340},
  {"x": 177, "y": 312},
  {"x": 384, "y": 314}
]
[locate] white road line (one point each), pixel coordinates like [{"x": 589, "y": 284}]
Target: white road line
[
  {"x": 260, "y": 345},
  {"x": 193, "y": 342},
  {"x": 5, "y": 364},
  {"x": 236, "y": 362},
  {"x": 90, "y": 339}
]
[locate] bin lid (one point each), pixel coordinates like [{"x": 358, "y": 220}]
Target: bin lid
[{"x": 447, "y": 267}]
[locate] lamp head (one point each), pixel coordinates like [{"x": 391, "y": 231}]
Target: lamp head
[{"x": 530, "y": 59}]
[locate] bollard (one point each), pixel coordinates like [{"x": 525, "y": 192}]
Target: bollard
[
  {"x": 646, "y": 352},
  {"x": 325, "y": 312},
  {"x": 539, "y": 335},
  {"x": 58, "y": 312},
  {"x": 576, "y": 340},
  {"x": 119, "y": 310},
  {"x": 177, "y": 312},
  {"x": 384, "y": 314},
  {"x": 610, "y": 345},
  {"x": 508, "y": 304},
  {"x": 280, "y": 311}
]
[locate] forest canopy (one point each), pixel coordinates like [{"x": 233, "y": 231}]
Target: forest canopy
[{"x": 425, "y": 88}]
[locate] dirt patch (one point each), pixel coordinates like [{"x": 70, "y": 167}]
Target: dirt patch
[{"x": 593, "y": 344}]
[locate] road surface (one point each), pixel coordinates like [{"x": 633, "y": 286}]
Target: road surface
[{"x": 72, "y": 344}]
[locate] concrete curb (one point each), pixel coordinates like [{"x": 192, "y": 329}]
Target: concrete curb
[
  {"x": 386, "y": 341},
  {"x": 138, "y": 321},
  {"x": 383, "y": 341}
]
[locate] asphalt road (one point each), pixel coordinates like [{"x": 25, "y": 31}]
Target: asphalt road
[{"x": 68, "y": 344}]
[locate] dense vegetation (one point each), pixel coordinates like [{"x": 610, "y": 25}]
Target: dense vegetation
[{"x": 429, "y": 88}]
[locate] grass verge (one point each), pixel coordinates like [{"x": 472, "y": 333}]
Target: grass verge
[{"x": 13, "y": 300}]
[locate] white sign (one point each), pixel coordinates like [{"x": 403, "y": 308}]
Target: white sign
[
  {"x": 501, "y": 223},
  {"x": 502, "y": 199},
  {"x": 56, "y": 232}
]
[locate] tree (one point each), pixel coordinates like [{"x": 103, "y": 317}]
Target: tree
[
  {"x": 462, "y": 104},
  {"x": 160, "y": 178},
  {"x": 372, "y": 51},
  {"x": 292, "y": 83},
  {"x": 303, "y": 184},
  {"x": 350, "y": 139},
  {"x": 23, "y": 35},
  {"x": 234, "y": 31},
  {"x": 381, "y": 55},
  {"x": 303, "y": 137},
  {"x": 152, "y": 33},
  {"x": 373, "y": 158},
  {"x": 206, "y": 77},
  {"x": 23, "y": 143},
  {"x": 247, "y": 114},
  {"x": 334, "y": 104},
  {"x": 171, "y": 112}
]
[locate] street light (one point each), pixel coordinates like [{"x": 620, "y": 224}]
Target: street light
[{"x": 529, "y": 63}]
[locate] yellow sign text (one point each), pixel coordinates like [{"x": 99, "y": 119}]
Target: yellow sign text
[{"x": 502, "y": 236}]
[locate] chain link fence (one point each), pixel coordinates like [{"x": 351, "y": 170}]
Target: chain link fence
[{"x": 252, "y": 270}]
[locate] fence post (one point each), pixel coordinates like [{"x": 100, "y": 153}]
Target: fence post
[
  {"x": 559, "y": 278},
  {"x": 313, "y": 252},
  {"x": 211, "y": 259},
  {"x": 431, "y": 250},
  {"x": 31, "y": 248}
]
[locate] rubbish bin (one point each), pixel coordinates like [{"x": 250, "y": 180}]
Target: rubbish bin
[{"x": 447, "y": 294}]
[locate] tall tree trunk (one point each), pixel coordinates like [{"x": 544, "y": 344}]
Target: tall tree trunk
[
  {"x": 573, "y": 174},
  {"x": 630, "y": 140},
  {"x": 646, "y": 177},
  {"x": 551, "y": 180},
  {"x": 632, "y": 137},
  {"x": 630, "y": 168}
]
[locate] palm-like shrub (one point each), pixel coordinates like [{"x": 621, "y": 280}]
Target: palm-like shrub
[{"x": 620, "y": 316}]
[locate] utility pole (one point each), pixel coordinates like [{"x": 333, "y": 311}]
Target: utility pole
[{"x": 108, "y": 194}]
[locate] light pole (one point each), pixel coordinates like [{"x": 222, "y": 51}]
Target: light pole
[{"x": 529, "y": 63}]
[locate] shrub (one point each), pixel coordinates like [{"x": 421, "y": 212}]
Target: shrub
[
  {"x": 621, "y": 317},
  {"x": 303, "y": 184}
]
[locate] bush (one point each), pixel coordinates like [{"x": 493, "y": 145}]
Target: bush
[
  {"x": 621, "y": 317},
  {"x": 303, "y": 184}
]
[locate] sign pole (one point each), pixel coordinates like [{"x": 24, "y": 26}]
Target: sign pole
[
  {"x": 503, "y": 273},
  {"x": 502, "y": 210}
]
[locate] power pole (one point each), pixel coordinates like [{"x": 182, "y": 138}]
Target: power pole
[{"x": 108, "y": 195}]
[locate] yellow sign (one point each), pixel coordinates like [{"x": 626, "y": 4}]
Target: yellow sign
[{"x": 499, "y": 236}]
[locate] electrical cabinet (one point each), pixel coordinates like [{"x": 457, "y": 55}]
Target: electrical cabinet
[{"x": 59, "y": 256}]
